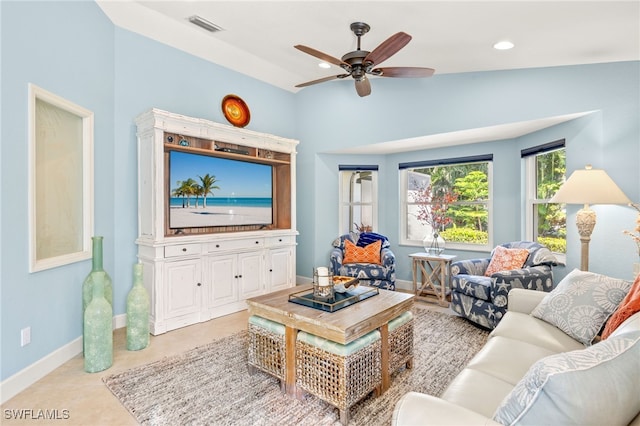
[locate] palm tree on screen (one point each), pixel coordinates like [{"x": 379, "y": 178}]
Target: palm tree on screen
[
  {"x": 207, "y": 186},
  {"x": 186, "y": 188}
]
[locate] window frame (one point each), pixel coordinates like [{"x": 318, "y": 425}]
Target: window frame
[
  {"x": 404, "y": 168},
  {"x": 347, "y": 205},
  {"x": 529, "y": 157}
]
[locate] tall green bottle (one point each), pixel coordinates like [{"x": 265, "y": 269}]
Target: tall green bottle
[
  {"x": 137, "y": 312},
  {"x": 98, "y": 329},
  {"x": 96, "y": 266}
]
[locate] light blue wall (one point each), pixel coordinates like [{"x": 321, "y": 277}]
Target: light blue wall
[
  {"x": 65, "y": 48},
  {"x": 72, "y": 49},
  {"x": 332, "y": 117}
]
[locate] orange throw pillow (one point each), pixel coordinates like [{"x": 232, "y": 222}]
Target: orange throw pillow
[
  {"x": 629, "y": 306},
  {"x": 506, "y": 259},
  {"x": 366, "y": 254}
]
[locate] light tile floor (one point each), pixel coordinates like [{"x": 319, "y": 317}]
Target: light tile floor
[{"x": 79, "y": 398}]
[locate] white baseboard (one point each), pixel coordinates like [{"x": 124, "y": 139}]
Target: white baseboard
[{"x": 36, "y": 371}]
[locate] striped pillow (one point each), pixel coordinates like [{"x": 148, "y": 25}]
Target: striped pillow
[
  {"x": 367, "y": 238},
  {"x": 368, "y": 254}
]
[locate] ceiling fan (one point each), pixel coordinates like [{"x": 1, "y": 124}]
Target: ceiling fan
[{"x": 359, "y": 63}]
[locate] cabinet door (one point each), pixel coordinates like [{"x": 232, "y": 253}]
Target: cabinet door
[
  {"x": 183, "y": 288},
  {"x": 250, "y": 274},
  {"x": 220, "y": 282},
  {"x": 279, "y": 267}
]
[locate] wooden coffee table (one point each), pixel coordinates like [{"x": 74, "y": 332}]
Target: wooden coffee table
[{"x": 342, "y": 326}]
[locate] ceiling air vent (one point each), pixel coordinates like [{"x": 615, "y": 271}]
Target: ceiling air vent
[{"x": 203, "y": 23}]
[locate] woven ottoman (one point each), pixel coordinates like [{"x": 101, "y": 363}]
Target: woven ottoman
[
  {"x": 401, "y": 342},
  {"x": 267, "y": 347},
  {"x": 338, "y": 374}
]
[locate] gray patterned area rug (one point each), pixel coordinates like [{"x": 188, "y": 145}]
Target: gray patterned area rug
[{"x": 210, "y": 385}]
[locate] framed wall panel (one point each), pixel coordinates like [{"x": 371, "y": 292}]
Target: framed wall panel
[{"x": 60, "y": 180}]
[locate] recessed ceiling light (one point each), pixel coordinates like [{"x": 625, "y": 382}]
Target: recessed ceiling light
[
  {"x": 503, "y": 45},
  {"x": 324, "y": 65}
]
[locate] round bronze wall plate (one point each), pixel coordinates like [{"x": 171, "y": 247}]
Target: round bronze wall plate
[{"x": 235, "y": 110}]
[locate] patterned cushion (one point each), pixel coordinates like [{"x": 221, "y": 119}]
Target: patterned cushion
[
  {"x": 367, "y": 238},
  {"x": 629, "y": 306},
  {"x": 581, "y": 303},
  {"x": 603, "y": 375},
  {"x": 368, "y": 254},
  {"x": 506, "y": 259}
]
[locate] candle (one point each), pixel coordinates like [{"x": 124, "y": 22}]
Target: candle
[{"x": 323, "y": 275}]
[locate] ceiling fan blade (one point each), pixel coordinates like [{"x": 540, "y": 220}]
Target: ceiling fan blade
[
  {"x": 322, "y": 80},
  {"x": 363, "y": 87},
  {"x": 405, "y": 72},
  {"x": 318, "y": 54},
  {"x": 388, "y": 48}
]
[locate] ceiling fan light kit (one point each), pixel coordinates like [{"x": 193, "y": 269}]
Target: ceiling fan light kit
[{"x": 358, "y": 63}]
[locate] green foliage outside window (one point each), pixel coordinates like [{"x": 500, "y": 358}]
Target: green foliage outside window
[{"x": 469, "y": 214}]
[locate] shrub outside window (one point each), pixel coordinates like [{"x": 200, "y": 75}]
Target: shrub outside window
[
  {"x": 545, "y": 173},
  {"x": 467, "y": 182}
]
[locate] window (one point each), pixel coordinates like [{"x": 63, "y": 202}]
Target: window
[
  {"x": 358, "y": 198},
  {"x": 464, "y": 184},
  {"x": 545, "y": 172}
]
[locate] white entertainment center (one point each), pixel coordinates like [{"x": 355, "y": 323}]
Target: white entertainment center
[{"x": 195, "y": 274}]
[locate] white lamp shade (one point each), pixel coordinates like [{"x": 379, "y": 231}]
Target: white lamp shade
[{"x": 590, "y": 186}]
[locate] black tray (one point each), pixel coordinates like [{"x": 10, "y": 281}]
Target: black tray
[{"x": 339, "y": 301}]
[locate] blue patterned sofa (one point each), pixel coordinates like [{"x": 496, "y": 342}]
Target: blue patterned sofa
[
  {"x": 382, "y": 276},
  {"x": 483, "y": 299}
]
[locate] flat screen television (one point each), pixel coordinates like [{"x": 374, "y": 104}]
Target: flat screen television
[{"x": 207, "y": 191}]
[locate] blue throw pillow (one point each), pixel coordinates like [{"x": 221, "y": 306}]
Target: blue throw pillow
[{"x": 367, "y": 238}]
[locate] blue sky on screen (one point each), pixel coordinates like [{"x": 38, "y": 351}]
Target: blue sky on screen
[{"x": 235, "y": 178}]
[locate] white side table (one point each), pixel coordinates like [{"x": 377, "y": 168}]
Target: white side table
[{"x": 431, "y": 274}]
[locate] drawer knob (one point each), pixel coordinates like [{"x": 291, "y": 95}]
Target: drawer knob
[
  {"x": 280, "y": 240},
  {"x": 257, "y": 242},
  {"x": 199, "y": 284},
  {"x": 217, "y": 245},
  {"x": 184, "y": 249}
]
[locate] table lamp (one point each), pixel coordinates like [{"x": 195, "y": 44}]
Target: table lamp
[{"x": 588, "y": 186}]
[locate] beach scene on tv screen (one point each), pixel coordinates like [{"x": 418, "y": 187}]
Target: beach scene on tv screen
[{"x": 210, "y": 191}]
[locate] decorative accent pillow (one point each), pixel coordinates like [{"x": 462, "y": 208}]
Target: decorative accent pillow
[
  {"x": 506, "y": 259},
  {"x": 581, "y": 303},
  {"x": 368, "y": 254},
  {"x": 367, "y": 238},
  {"x": 603, "y": 375},
  {"x": 629, "y": 306}
]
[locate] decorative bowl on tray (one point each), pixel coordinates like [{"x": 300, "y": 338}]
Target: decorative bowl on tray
[{"x": 342, "y": 283}]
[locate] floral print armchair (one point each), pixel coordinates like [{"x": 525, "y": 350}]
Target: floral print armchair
[
  {"x": 483, "y": 299},
  {"x": 381, "y": 275}
]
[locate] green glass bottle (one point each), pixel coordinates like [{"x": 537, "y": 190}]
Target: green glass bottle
[
  {"x": 96, "y": 265},
  {"x": 98, "y": 329},
  {"x": 137, "y": 312}
]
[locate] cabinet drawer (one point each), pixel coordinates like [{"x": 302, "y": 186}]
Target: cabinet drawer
[
  {"x": 281, "y": 240},
  {"x": 182, "y": 250},
  {"x": 251, "y": 243}
]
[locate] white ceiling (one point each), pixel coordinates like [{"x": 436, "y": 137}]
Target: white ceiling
[{"x": 450, "y": 36}]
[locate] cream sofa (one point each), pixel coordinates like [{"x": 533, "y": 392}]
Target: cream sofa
[{"x": 513, "y": 347}]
